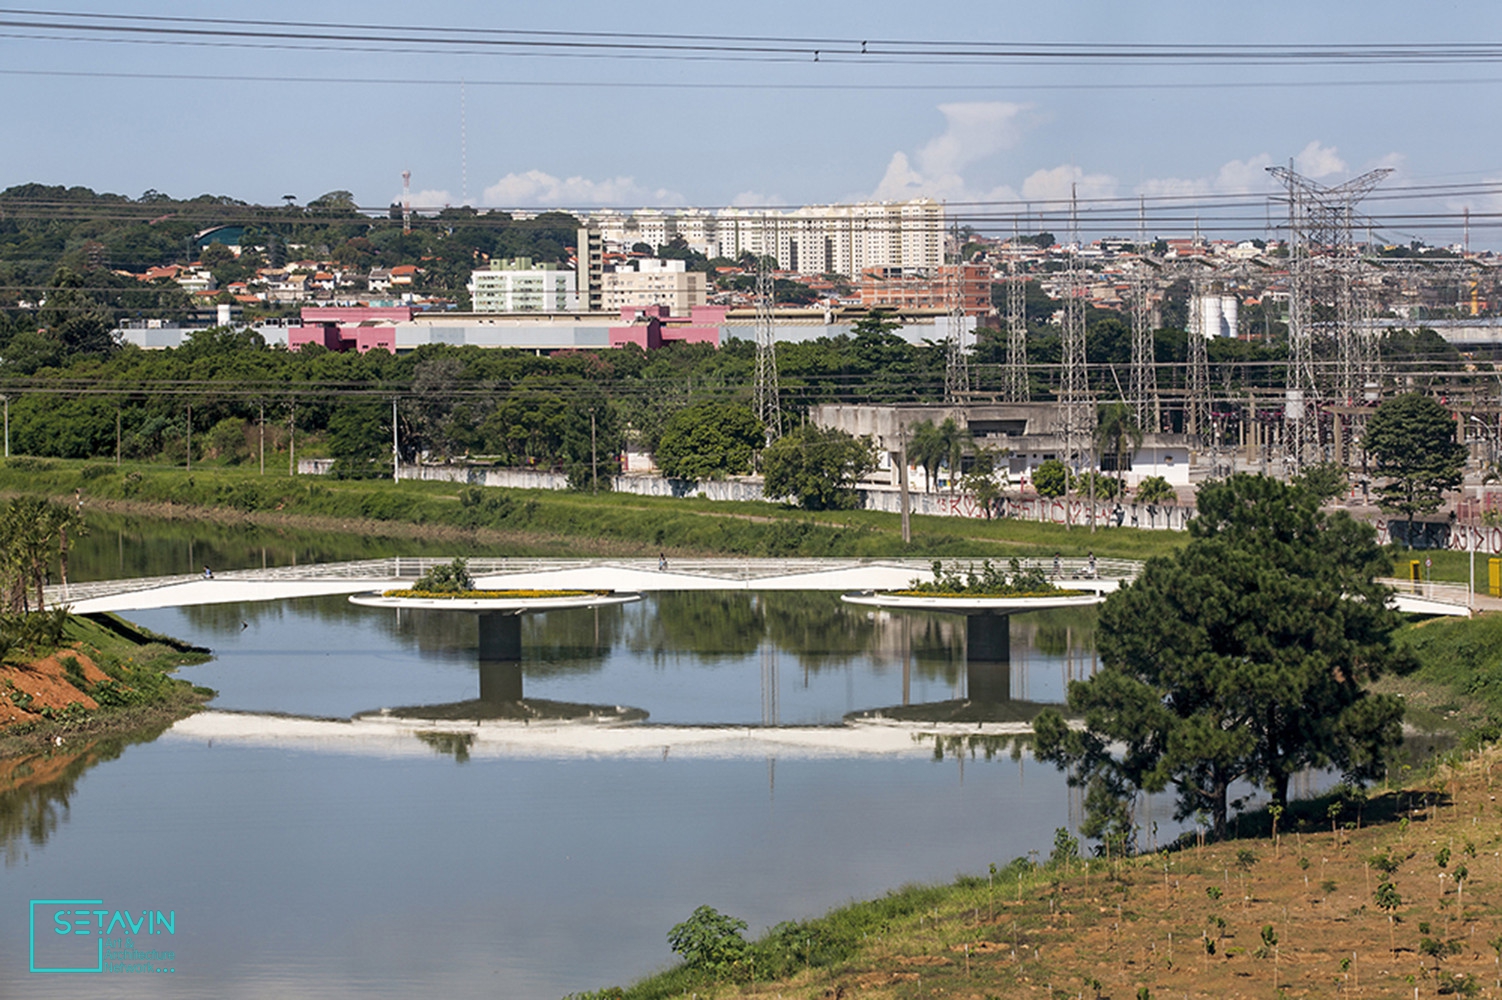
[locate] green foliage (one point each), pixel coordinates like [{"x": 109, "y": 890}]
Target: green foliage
[
  {"x": 1066, "y": 849},
  {"x": 1243, "y": 656},
  {"x": 709, "y": 441},
  {"x": 989, "y": 581},
  {"x": 1052, "y": 478},
  {"x": 1214, "y": 891},
  {"x": 1386, "y": 897},
  {"x": 938, "y": 446},
  {"x": 817, "y": 467},
  {"x": 1324, "y": 480},
  {"x": 709, "y": 941},
  {"x": 1155, "y": 490},
  {"x": 1269, "y": 941},
  {"x": 453, "y": 578},
  {"x": 1412, "y": 440}
]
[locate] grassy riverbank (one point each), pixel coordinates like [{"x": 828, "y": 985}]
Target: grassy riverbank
[
  {"x": 556, "y": 522},
  {"x": 104, "y": 677},
  {"x": 1295, "y": 916},
  {"x": 1254, "y": 916}
]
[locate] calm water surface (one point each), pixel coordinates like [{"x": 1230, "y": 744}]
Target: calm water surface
[{"x": 357, "y": 872}]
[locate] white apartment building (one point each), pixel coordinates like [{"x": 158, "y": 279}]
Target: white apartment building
[
  {"x": 654, "y": 283},
  {"x": 839, "y": 239},
  {"x": 520, "y": 285}
]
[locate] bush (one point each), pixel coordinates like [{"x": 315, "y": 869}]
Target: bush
[
  {"x": 451, "y": 579},
  {"x": 709, "y": 941}
]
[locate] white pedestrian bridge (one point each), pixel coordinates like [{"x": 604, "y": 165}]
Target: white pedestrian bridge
[{"x": 638, "y": 575}]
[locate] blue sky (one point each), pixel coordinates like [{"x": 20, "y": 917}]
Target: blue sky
[{"x": 561, "y": 130}]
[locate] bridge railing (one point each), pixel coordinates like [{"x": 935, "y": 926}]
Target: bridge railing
[
  {"x": 1449, "y": 593},
  {"x": 412, "y": 567}
]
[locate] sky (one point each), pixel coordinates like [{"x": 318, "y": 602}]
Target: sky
[{"x": 572, "y": 128}]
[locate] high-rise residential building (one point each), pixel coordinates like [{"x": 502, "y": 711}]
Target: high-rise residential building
[
  {"x": 519, "y": 285},
  {"x": 589, "y": 267},
  {"x": 654, "y": 282},
  {"x": 838, "y": 239}
]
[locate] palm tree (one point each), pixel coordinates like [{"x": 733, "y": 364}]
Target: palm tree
[
  {"x": 1117, "y": 434},
  {"x": 926, "y": 449},
  {"x": 953, "y": 440}
]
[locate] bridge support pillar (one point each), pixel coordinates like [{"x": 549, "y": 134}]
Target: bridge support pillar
[
  {"x": 988, "y": 658},
  {"x": 500, "y": 636},
  {"x": 500, "y": 681}
]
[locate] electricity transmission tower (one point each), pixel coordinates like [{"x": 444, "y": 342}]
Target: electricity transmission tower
[
  {"x": 1325, "y": 272},
  {"x": 956, "y": 367},
  {"x": 1143, "y": 375},
  {"x": 1197, "y": 400},
  {"x": 1015, "y": 387},
  {"x": 765, "y": 394},
  {"x": 1075, "y": 411}
]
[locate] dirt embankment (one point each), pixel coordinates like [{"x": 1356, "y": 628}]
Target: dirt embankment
[{"x": 26, "y": 689}]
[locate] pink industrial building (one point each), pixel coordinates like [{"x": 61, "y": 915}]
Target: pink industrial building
[
  {"x": 650, "y": 327},
  {"x": 358, "y": 328},
  {"x": 362, "y": 328}
]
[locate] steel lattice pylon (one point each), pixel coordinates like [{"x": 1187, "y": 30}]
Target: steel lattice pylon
[
  {"x": 1197, "y": 399},
  {"x": 1016, "y": 389},
  {"x": 1143, "y": 375},
  {"x": 956, "y": 366},
  {"x": 1075, "y": 411},
  {"x": 1325, "y": 269},
  {"x": 766, "y": 394}
]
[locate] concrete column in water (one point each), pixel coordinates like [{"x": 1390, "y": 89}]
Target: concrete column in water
[
  {"x": 500, "y": 681},
  {"x": 500, "y": 636},
  {"x": 988, "y": 658}
]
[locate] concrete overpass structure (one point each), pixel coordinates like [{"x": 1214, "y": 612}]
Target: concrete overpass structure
[{"x": 641, "y": 575}]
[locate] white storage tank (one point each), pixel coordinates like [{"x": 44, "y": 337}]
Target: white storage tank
[{"x": 1228, "y": 315}]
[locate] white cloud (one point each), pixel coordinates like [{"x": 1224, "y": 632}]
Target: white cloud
[
  {"x": 755, "y": 199},
  {"x": 973, "y": 131},
  {"x": 428, "y": 201},
  {"x": 1318, "y": 161},
  {"x": 1234, "y": 177},
  {"x": 536, "y": 188},
  {"x": 1058, "y": 183}
]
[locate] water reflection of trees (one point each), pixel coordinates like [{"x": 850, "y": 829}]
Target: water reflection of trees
[
  {"x": 118, "y": 546},
  {"x": 715, "y": 626},
  {"x": 35, "y": 789}
]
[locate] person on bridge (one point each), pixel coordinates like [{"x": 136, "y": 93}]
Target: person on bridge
[
  {"x": 208, "y": 574},
  {"x": 662, "y": 561}
]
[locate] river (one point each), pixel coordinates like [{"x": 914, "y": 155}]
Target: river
[{"x": 323, "y": 865}]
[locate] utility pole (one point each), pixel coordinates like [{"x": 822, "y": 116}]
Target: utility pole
[
  {"x": 292, "y": 439},
  {"x": 6, "y": 401},
  {"x": 594, "y": 468},
  {"x": 261, "y": 427},
  {"x": 190, "y": 437},
  {"x": 396, "y": 453}
]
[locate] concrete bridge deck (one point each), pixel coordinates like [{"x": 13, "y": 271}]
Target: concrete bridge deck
[{"x": 642, "y": 575}]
